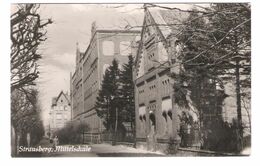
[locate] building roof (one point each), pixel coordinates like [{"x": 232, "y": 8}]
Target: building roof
[
  {"x": 55, "y": 99},
  {"x": 98, "y": 26},
  {"x": 168, "y": 21}
]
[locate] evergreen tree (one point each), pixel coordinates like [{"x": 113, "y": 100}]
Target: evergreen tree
[
  {"x": 217, "y": 49},
  {"x": 232, "y": 28},
  {"x": 127, "y": 93},
  {"x": 196, "y": 75},
  {"x": 108, "y": 100},
  {"x": 103, "y": 101}
]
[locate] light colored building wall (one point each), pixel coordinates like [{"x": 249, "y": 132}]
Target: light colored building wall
[
  {"x": 104, "y": 46},
  {"x": 229, "y": 111},
  {"x": 60, "y": 113}
]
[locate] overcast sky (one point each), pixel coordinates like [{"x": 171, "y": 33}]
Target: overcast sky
[{"x": 72, "y": 24}]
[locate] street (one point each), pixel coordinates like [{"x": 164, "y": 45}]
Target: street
[{"x": 94, "y": 150}]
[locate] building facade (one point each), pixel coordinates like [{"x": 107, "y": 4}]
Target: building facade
[
  {"x": 60, "y": 113},
  {"x": 105, "y": 45},
  {"x": 156, "y": 116},
  {"x": 76, "y": 90}
]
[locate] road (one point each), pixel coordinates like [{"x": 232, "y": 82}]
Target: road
[
  {"x": 105, "y": 150},
  {"x": 95, "y": 150}
]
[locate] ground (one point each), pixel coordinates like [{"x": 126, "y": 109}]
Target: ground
[
  {"x": 107, "y": 150},
  {"x": 94, "y": 150}
]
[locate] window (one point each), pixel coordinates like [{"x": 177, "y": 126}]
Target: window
[
  {"x": 125, "y": 48},
  {"x": 108, "y": 48},
  {"x": 167, "y": 108},
  {"x": 142, "y": 113}
]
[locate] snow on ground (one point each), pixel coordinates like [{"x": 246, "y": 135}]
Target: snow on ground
[
  {"x": 107, "y": 148},
  {"x": 246, "y": 151}
]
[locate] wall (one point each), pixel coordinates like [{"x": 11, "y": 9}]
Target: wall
[
  {"x": 60, "y": 113},
  {"x": 94, "y": 60}
]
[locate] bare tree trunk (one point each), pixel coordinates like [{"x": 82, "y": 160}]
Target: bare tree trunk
[
  {"x": 239, "y": 114},
  {"x": 13, "y": 142}
]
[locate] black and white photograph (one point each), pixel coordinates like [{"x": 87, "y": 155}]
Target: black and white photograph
[{"x": 130, "y": 79}]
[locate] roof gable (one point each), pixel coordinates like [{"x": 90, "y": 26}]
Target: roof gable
[
  {"x": 167, "y": 23},
  {"x": 56, "y": 99}
]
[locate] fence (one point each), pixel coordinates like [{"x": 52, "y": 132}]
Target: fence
[{"x": 109, "y": 137}]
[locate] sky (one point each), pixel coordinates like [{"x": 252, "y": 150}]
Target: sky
[{"x": 72, "y": 24}]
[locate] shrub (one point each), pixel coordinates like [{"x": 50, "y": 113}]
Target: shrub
[{"x": 71, "y": 133}]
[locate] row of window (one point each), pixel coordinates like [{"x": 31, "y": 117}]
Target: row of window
[
  {"x": 141, "y": 91},
  {"x": 91, "y": 72},
  {"x": 152, "y": 87},
  {"x": 151, "y": 61},
  {"x": 165, "y": 82},
  {"x": 151, "y": 107},
  {"x": 89, "y": 102},
  {"x": 166, "y": 113},
  {"x": 61, "y": 108},
  {"x": 164, "y": 89},
  {"x": 90, "y": 91},
  {"x": 60, "y": 117}
]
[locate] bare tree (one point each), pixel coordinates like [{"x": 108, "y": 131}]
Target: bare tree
[{"x": 27, "y": 33}]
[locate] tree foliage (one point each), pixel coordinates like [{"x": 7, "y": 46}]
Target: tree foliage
[
  {"x": 127, "y": 91},
  {"x": 27, "y": 34},
  {"x": 26, "y": 115},
  {"x": 72, "y": 133},
  {"x": 115, "y": 101},
  {"x": 216, "y": 50},
  {"x": 108, "y": 99}
]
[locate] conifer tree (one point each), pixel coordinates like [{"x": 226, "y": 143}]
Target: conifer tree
[
  {"x": 108, "y": 100},
  {"x": 127, "y": 92},
  {"x": 217, "y": 50},
  {"x": 103, "y": 101}
]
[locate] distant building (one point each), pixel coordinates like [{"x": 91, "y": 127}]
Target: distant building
[
  {"x": 104, "y": 46},
  {"x": 60, "y": 113}
]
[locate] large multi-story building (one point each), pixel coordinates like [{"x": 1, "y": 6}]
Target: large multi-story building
[
  {"x": 157, "y": 117},
  {"x": 104, "y": 46},
  {"x": 60, "y": 113},
  {"x": 76, "y": 89}
]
